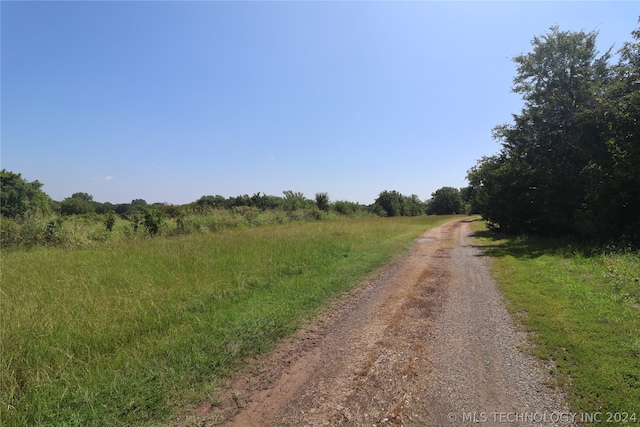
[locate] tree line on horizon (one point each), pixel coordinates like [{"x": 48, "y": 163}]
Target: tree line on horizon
[
  {"x": 28, "y": 216},
  {"x": 20, "y": 198}
]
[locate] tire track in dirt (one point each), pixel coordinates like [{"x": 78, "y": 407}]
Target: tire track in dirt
[{"x": 425, "y": 343}]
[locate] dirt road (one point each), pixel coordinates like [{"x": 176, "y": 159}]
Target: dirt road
[{"x": 426, "y": 343}]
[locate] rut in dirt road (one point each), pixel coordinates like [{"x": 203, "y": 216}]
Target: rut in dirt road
[{"x": 427, "y": 343}]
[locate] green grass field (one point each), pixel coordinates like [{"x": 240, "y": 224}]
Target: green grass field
[
  {"x": 135, "y": 332},
  {"x": 582, "y": 305}
]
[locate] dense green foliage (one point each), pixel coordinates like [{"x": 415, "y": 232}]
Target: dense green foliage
[
  {"x": 322, "y": 201},
  {"x": 392, "y": 203},
  {"x": 581, "y": 306},
  {"x": 75, "y": 206},
  {"x": 445, "y": 201},
  {"x": 18, "y": 197},
  {"x": 570, "y": 161},
  {"x": 135, "y": 333}
]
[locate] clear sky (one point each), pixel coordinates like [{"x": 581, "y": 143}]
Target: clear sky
[{"x": 170, "y": 101}]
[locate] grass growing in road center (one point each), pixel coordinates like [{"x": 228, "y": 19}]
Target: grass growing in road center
[
  {"x": 583, "y": 306},
  {"x": 132, "y": 333}
]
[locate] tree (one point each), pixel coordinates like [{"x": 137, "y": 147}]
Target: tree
[
  {"x": 152, "y": 219},
  {"x": 243, "y": 200},
  {"x": 389, "y": 203},
  {"x": 620, "y": 192},
  {"x": 393, "y": 203},
  {"x": 75, "y": 206},
  {"x": 468, "y": 202},
  {"x": 19, "y": 197},
  {"x": 322, "y": 201},
  {"x": 294, "y": 200},
  {"x": 570, "y": 161},
  {"x": 212, "y": 201},
  {"x": 539, "y": 180},
  {"x": 555, "y": 136},
  {"x": 264, "y": 201},
  {"x": 413, "y": 206},
  {"x": 445, "y": 201},
  {"x": 85, "y": 197},
  {"x": 124, "y": 209},
  {"x": 103, "y": 208},
  {"x": 344, "y": 207}
]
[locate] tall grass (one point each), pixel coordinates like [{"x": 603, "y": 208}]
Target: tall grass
[
  {"x": 582, "y": 304},
  {"x": 131, "y": 332},
  {"x": 82, "y": 231}
]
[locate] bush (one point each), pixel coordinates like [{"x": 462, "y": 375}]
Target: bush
[
  {"x": 148, "y": 217},
  {"x": 316, "y": 214},
  {"x": 9, "y": 233},
  {"x": 322, "y": 201},
  {"x": 32, "y": 230},
  {"x": 20, "y": 197},
  {"x": 249, "y": 214},
  {"x": 445, "y": 201},
  {"x": 153, "y": 221},
  {"x": 109, "y": 221},
  {"x": 74, "y": 206}
]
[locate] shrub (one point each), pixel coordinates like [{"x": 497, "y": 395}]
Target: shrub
[
  {"x": 109, "y": 221},
  {"x": 322, "y": 201},
  {"x": 153, "y": 220},
  {"x": 249, "y": 214},
  {"x": 344, "y": 207},
  {"x": 75, "y": 206},
  {"x": 9, "y": 233},
  {"x": 315, "y": 214},
  {"x": 389, "y": 203}
]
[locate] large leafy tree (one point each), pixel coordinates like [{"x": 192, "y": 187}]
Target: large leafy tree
[
  {"x": 212, "y": 201},
  {"x": 75, "y": 206},
  {"x": 295, "y": 200},
  {"x": 393, "y": 203},
  {"x": 85, "y": 197},
  {"x": 553, "y": 152},
  {"x": 19, "y": 197},
  {"x": 323, "y": 202},
  {"x": 551, "y": 142},
  {"x": 389, "y": 203},
  {"x": 621, "y": 109},
  {"x": 570, "y": 161},
  {"x": 413, "y": 206},
  {"x": 445, "y": 201}
]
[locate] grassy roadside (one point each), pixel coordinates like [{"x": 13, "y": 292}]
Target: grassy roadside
[
  {"x": 132, "y": 333},
  {"x": 582, "y": 306}
]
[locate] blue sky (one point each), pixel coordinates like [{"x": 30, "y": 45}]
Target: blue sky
[{"x": 170, "y": 101}]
